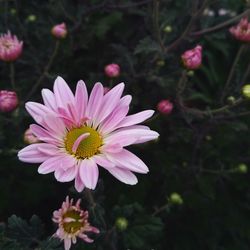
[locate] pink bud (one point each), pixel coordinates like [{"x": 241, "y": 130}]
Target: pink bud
[
  {"x": 29, "y": 137},
  {"x": 106, "y": 90},
  {"x": 59, "y": 31},
  {"x": 241, "y": 31},
  {"x": 8, "y": 101},
  {"x": 192, "y": 58},
  {"x": 112, "y": 70},
  {"x": 10, "y": 47},
  {"x": 165, "y": 107}
]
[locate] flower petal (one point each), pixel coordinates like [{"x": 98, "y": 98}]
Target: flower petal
[
  {"x": 89, "y": 173},
  {"x": 123, "y": 175},
  {"x": 79, "y": 186},
  {"x": 49, "y": 99},
  {"x": 81, "y": 98}
]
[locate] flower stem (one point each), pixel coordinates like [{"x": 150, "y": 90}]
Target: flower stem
[
  {"x": 231, "y": 73},
  {"x": 45, "y": 71},
  {"x": 12, "y": 75}
]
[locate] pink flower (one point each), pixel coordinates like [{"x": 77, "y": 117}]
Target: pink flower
[
  {"x": 59, "y": 31},
  {"x": 79, "y": 132},
  {"x": 165, "y": 107},
  {"x": 72, "y": 223},
  {"x": 29, "y": 137},
  {"x": 10, "y": 47},
  {"x": 242, "y": 30},
  {"x": 8, "y": 100},
  {"x": 112, "y": 70},
  {"x": 192, "y": 58}
]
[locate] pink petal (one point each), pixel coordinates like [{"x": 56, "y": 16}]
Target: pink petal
[
  {"x": 54, "y": 124},
  {"x": 78, "y": 141},
  {"x": 95, "y": 102},
  {"x": 79, "y": 186},
  {"x": 110, "y": 101},
  {"x": 102, "y": 161},
  {"x": 63, "y": 94},
  {"x": 89, "y": 173},
  {"x": 136, "y": 118},
  {"x": 128, "y": 160},
  {"x": 85, "y": 238},
  {"x": 49, "y": 99},
  {"x": 67, "y": 175},
  {"x": 32, "y": 154},
  {"x": 123, "y": 175},
  {"x": 112, "y": 148},
  {"x": 37, "y": 111},
  {"x": 67, "y": 243},
  {"x": 81, "y": 98}
]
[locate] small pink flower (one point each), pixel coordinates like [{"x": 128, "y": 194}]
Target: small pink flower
[
  {"x": 72, "y": 223},
  {"x": 59, "y": 31},
  {"x": 10, "y": 47},
  {"x": 29, "y": 137},
  {"x": 192, "y": 58},
  {"x": 165, "y": 107},
  {"x": 8, "y": 101},
  {"x": 242, "y": 30},
  {"x": 112, "y": 70}
]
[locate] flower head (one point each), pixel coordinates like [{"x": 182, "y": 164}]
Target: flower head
[
  {"x": 78, "y": 132},
  {"x": 8, "y": 100},
  {"x": 192, "y": 58},
  {"x": 29, "y": 137},
  {"x": 242, "y": 30},
  {"x": 165, "y": 107},
  {"x": 59, "y": 31},
  {"x": 112, "y": 70},
  {"x": 10, "y": 47},
  {"x": 72, "y": 223}
]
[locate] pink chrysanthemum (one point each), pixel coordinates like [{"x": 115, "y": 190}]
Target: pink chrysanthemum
[
  {"x": 242, "y": 30},
  {"x": 10, "y": 47},
  {"x": 72, "y": 223},
  {"x": 80, "y": 132}
]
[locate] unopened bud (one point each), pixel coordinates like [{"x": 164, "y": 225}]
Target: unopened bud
[
  {"x": 246, "y": 91},
  {"x": 121, "y": 223},
  {"x": 242, "y": 168},
  {"x": 168, "y": 29},
  {"x": 175, "y": 198},
  {"x": 231, "y": 99},
  {"x": 160, "y": 63}
]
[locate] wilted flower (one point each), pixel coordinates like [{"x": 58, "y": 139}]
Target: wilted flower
[
  {"x": 112, "y": 70},
  {"x": 8, "y": 100},
  {"x": 78, "y": 132},
  {"x": 59, "y": 31},
  {"x": 72, "y": 223},
  {"x": 242, "y": 30},
  {"x": 29, "y": 137},
  {"x": 192, "y": 58},
  {"x": 165, "y": 107},
  {"x": 10, "y": 47}
]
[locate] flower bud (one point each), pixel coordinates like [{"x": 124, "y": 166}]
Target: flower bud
[
  {"x": 8, "y": 101},
  {"x": 165, "y": 107},
  {"x": 29, "y": 137},
  {"x": 231, "y": 99},
  {"x": 121, "y": 223},
  {"x": 160, "y": 63},
  {"x": 59, "y": 31},
  {"x": 13, "y": 11},
  {"x": 112, "y": 70},
  {"x": 241, "y": 31},
  {"x": 31, "y": 18},
  {"x": 246, "y": 91},
  {"x": 10, "y": 47},
  {"x": 168, "y": 29},
  {"x": 192, "y": 59},
  {"x": 190, "y": 73},
  {"x": 242, "y": 168},
  {"x": 175, "y": 198}
]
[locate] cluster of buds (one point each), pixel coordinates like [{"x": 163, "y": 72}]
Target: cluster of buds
[{"x": 241, "y": 31}]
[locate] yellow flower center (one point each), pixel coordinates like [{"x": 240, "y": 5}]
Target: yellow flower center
[
  {"x": 88, "y": 146},
  {"x": 75, "y": 225}
]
